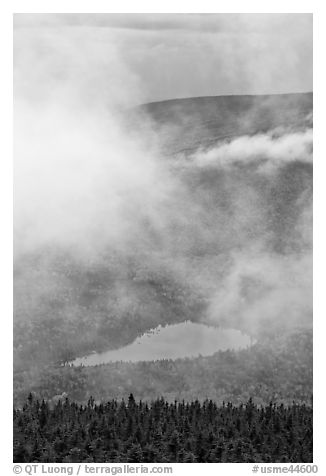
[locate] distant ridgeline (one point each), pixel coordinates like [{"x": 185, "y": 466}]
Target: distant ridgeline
[
  {"x": 203, "y": 121},
  {"x": 161, "y": 432}
]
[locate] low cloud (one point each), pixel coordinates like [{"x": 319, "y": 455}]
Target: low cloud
[
  {"x": 232, "y": 224},
  {"x": 262, "y": 291},
  {"x": 276, "y": 148}
]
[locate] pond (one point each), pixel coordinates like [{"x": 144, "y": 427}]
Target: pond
[{"x": 186, "y": 339}]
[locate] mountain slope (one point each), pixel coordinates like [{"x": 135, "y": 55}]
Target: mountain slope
[
  {"x": 226, "y": 241},
  {"x": 200, "y": 122}
]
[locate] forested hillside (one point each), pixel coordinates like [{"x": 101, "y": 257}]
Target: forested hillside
[
  {"x": 219, "y": 234},
  {"x": 247, "y": 214}
]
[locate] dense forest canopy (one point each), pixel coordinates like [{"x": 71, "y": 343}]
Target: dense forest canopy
[{"x": 184, "y": 432}]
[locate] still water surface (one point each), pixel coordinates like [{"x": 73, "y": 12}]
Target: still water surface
[{"x": 186, "y": 339}]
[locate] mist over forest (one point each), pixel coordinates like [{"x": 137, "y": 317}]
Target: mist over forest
[
  {"x": 131, "y": 213},
  {"x": 219, "y": 233}
]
